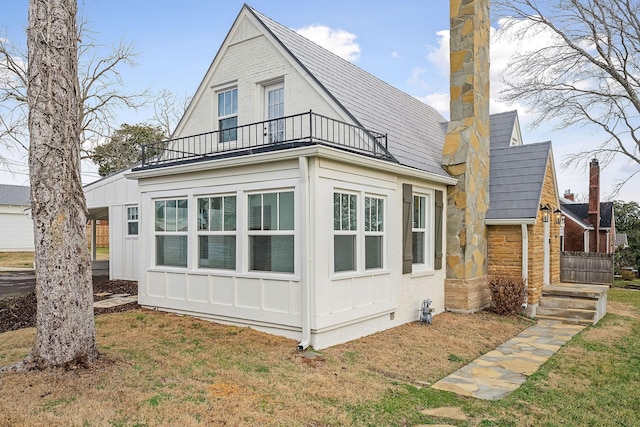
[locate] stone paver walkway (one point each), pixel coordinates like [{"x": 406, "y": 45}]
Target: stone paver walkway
[
  {"x": 115, "y": 300},
  {"x": 501, "y": 371}
]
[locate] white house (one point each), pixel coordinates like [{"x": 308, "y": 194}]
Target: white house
[
  {"x": 299, "y": 195},
  {"x": 16, "y": 227}
]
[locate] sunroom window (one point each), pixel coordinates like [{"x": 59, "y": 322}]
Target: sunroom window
[
  {"x": 217, "y": 232},
  {"x": 271, "y": 231},
  {"x": 171, "y": 227},
  {"x": 420, "y": 226},
  {"x": 373, "y": 232},
  {"x": 345, "y": 229}
]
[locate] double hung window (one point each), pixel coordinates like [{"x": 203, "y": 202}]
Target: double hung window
[
  {"x": 348, "y": 235},
  {"x": 271, "y": 231},
  {"x": 217, "y": 232},
  {"x": 132, "y": 220},
  {"x": 171, "y": 227},
  {"x": 228, "y": 115},
  {"x": 420, "y": 243}
]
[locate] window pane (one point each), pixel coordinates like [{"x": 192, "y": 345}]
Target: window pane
[
  {"x": 353, "y": 213},
  {"x": 367, "y": 214},
  {"x": 230, "y": 213},
  {"x": 132, "y": 213},
  {"x": 418, "y": 211},
  {"x": 336, "y": 211},
  {"x": 170, "y": 211},
  {"x": 418, "y": 247},
  {"x": 269, "y": 210},
  {"x": 221, "y": 104},
  {"x": 231, "y": 134},
  {"x": 344, "y": 253},
  {"x": 160, "y": 214},
  {"x": 217, "y": 252},
  {"x": 255, "y": 212},
  {"x": 132, "y": 228},
  {"x": 171, "y": 251},
  {"x": 380, "y": 215},
  {"x": 203, "y": 214},
  {"x": 183, "y": 215},
  {"x": 215, "y": 211},
  {"x": 285, "y": 211},
  {"x": 373, "y": 251},
  {"x": 271, "y": 253}
]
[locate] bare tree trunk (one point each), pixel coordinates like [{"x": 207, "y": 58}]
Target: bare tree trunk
[{"x": 65, "y": 325}]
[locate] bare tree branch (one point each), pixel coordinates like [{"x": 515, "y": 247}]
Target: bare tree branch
[{"x": 586, "y": 74}]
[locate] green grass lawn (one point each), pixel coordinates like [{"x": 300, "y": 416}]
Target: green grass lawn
[{"x": 25, "y": 259}]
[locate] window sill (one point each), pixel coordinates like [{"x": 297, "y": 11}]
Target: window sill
[
  {"x": 357, "y": 274},
  {"x": 422, "y": 273}
]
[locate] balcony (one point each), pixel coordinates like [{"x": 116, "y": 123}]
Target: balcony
[{"x": 299, "y": 130}]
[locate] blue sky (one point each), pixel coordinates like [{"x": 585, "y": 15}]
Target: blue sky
[{"x": 402, "y": 42}]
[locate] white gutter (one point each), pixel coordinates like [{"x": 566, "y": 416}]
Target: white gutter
[
  {"x": 510, "y": 221},
  {"x": 525, "y": 257},
  {"x": 307, "y": 265}
]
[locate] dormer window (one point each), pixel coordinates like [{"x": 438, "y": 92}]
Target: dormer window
[{"x": 228, "y": 115}]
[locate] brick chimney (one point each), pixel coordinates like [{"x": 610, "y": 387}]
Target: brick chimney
[
  {"x": 594, "y": 205},
  {"x": 569, "y": 195},
  {"x": 465, "y": 156}
]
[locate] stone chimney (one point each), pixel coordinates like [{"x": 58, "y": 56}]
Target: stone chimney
[
  {"x": 594, "y": 205},
  {"x": 569, "y": 195},
  {"x": 465, "y": 156}
]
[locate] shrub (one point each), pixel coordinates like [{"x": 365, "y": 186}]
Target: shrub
[
  {"x": 627, "y": 275},
  {"x": 508, "y": 294}
]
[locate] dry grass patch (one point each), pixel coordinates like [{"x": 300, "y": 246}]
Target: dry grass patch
[
  {"x": 16, "y": 259},
  {"x": 161, "y": 369}
]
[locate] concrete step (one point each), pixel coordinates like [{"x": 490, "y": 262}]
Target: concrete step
[
  {"x": 568, "y": 313},
  {"x": 565, "y": 302},
  {"x": 585, "y": 322},
  {"x": 581, "y": 291}
]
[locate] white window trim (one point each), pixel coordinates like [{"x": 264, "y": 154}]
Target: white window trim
[
  {"x": 360, "y": 233},
  {"x": 248, "y": 233},
  {"x": 425, "y": 268},
  {"x": 217, "y": 117},
  {"x": 127, "y": 221},
  {"x": 199, "y": 232},
  {"x": 171, "y": 233}
]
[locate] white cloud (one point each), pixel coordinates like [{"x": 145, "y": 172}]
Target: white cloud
[
  {"x": 439, "y": 101},
  {"x": 340, "y": 42},
  {"x": 439, "y": 56},
  {"x": 395, "y": 54}
]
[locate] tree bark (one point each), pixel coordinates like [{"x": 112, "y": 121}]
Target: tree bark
[{"x": 65, "y": 325}]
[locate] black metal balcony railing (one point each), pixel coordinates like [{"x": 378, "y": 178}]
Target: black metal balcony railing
[{"x": 286, "y": 132}]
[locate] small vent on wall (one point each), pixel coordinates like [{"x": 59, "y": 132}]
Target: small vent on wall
[{"x": 392, "y": 316}]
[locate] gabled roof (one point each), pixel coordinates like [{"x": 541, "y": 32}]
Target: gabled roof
[
  {"x": 580, "y": 211},
  {"x": 516, "y": 179},
  {"x": 415, "y": 130},
  {"x": 15, "y": 195},
  {"x": 503, "y": 126}
]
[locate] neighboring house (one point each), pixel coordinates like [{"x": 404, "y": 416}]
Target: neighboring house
[
  {"x": 621, "y": 241},
  {"x": 589, "y": 227},
  {"x": 522, "y": 180},
  {"x": 16, "y": 227},
  {"x": 302, "y": 196}
]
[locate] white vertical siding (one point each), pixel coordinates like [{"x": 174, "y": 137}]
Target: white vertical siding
[{"x": 16, "y": 229}]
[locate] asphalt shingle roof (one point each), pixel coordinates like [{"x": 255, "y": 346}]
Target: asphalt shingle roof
[
  {"x": 502, "y": 125},
  {"x": 415, "y": 130},
  {"x": 516, "y": 179},
  {"x": 15, "y": 195},
  {"x": 581, "y": 211}
]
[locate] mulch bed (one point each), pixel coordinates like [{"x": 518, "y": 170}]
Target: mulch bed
[{"x": 20, "y": 312}]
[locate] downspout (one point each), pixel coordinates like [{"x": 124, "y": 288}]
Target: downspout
[
  {"x": 525, "y": 261},
  {"x": 307, "y": 268}
]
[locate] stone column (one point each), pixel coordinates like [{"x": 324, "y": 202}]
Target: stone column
[{"x": 466, "y": 157}]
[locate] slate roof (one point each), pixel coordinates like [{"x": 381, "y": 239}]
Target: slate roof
[
  {"x": 502, "y": 125},
  {"x": 415, "y": 130},
  {"x": 516, "y": 179},
  {"x": 14, "y": 195},
  {"x": 581, "y": 211}
]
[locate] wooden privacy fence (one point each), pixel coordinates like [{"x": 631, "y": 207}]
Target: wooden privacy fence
[
  {"x": 586, "y": 267},
  {"x": 102, "y": 233}
]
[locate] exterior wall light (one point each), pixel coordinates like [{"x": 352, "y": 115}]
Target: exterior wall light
[
  {"x": 558, "y": 216},
  {"x": 545, "y": 210}
]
